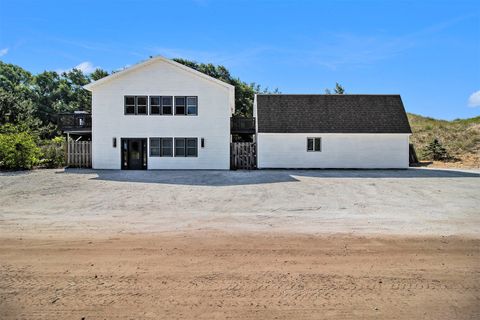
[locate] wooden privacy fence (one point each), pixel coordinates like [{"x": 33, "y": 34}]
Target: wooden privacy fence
[
  {"x": 79, "y": 154},
  {"x": 243, "y": 155}
]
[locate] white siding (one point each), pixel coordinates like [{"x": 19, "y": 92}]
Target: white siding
[
  {"x": 215, "y": 103},
  {"x": 289, "y": 150}
]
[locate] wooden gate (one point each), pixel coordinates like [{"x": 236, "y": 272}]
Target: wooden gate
[
  {"x": 79, "y": 154},
  {"x": 243, "y": 155}
]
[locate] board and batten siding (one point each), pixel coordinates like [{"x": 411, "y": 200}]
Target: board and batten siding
[
  {"x": 215, "y": 105},
  {"x": 365, "y": 151}
]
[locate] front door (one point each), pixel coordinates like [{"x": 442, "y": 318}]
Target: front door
[{"x": 134, "y": 154}]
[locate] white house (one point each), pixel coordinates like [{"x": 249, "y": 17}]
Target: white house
[
  {"x": 160, "y": 114},
  {"x": 331, "y": 131}
]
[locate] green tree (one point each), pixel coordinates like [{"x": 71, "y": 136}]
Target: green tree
[
  {"x": 16, "y": 96},
  {"x": 35, "y": 100},
  {"x": 53, "y": 152},
  {"x": 98, "y": 74},
  {"x": 339, "y": 89},
  {"x": 435, "y": 151},
  {"x": 18, "y": 149}
]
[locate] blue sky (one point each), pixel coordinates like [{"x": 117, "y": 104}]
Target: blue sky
[{"x": 427, "y": 51}]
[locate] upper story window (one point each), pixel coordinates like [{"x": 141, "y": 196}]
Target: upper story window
[
  {"x": 192, "y": 108},
  {"x": 136, "y": 105},
  {"x": 161, "y": 105},
  {"x": 155, "y": 104},
  {"x": 167, "y": 105},
  {"x": 314, "y": 144},
  {"x": 186, "y": 106},
  {"x": 180, "y": 105}
]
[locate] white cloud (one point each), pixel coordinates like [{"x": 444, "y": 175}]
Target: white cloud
[
  {"x": 85, "y": 67},
  {"x": 3, "y": 52},
  {"x": 474, "y": 99}
]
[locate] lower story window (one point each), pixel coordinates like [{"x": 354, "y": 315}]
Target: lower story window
[
  {"x": 186, "y": 147},
  {"x": 154, "y": 147},
  {"x": 314, "y": 144},
  {"x": 166, "y": 147},
  {"x": 161, "y": 147}
]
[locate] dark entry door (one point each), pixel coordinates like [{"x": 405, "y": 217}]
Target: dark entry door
[{"x": 134, "y": 154}]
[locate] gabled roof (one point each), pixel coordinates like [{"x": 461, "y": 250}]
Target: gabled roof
[
  {"x": 152, "y": 60},
  {"x": 331, "y": 113}
]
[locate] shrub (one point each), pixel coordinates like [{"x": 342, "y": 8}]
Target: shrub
[
  {"x": 53, "y": 153},
  {"x": 435, "y": 151},
  {"x": 17, "y": 150}
]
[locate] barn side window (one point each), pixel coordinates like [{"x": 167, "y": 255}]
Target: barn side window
[{"x": 314, "y": 144}]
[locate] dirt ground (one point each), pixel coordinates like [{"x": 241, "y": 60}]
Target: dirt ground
[
  {"x": 218, "y": 276},
  {"x": 465, "y": 161},
  {"x": 85, "y": 244}
]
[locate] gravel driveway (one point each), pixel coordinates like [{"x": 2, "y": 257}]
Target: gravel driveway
[{"x": 73, "y": 201}]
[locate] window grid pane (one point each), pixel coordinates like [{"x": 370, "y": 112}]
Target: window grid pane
[
  {"x": 309, "y": 144},
  {"x": 154, "y": 147},
  {"x": 192, "y": 147},
  {"x": 129, "y": 109},
  {"x": 192, "y": 105},
  {"x": 129, "y": 104},
  {"x": 130, "y": 100},
  {"x": 166, "y": 147},
  {"x": 167, "y": 106},
  {"x": 180, "y": 105},
  {"x": 155, "y": 105},
  {"x": 142, "y": 100},
  {"x": 318, "y": 144},
  {"x": 142, "y": 105},
  {"x": 179, "y": 147}
]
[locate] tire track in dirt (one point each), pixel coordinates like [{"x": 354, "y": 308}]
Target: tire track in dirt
[{"x": 248, "y": 277}]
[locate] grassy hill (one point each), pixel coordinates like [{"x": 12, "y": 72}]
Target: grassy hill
[{"x": 461, "y": 137}]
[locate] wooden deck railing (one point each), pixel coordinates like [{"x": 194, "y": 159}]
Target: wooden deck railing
[
  {"x": 75, "y": 121},
  {"x": 242, "y": 125}
]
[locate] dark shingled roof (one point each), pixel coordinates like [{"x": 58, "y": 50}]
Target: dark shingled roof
[{"x": 331, "y": 113}]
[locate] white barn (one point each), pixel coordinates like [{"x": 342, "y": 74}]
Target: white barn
[
  {"x": 331, "y": 131},
  {"x": 160, "y": 114}
]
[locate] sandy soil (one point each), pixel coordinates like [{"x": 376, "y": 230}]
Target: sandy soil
[
  {"x": 240, "y": 245},
  {"x": 221, "y": 276},
  {"x": 466, "y": 161}
]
